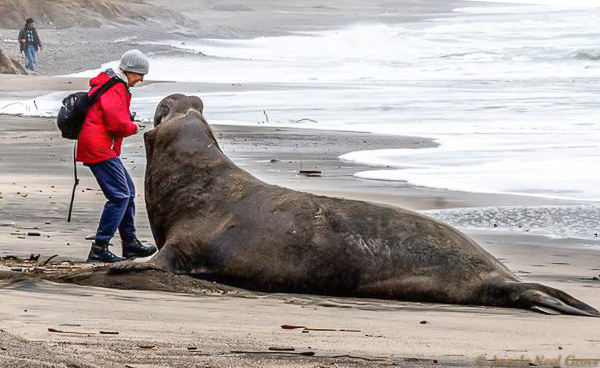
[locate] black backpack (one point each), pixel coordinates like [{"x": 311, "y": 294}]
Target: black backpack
[{"x": 75, "y": 106}]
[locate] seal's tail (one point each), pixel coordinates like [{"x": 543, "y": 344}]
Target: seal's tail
[{"x": 540, "y": 298}]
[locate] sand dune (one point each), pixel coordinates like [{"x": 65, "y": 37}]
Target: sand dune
[{"x": 84, "y": 13}]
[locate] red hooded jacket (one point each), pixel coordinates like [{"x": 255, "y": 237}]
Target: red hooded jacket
[{"x": 106, "y": 123}]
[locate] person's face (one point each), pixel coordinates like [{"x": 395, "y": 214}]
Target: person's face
[
  {"x": 30, "y": 25},
  {"x": 134, "y": 78}
]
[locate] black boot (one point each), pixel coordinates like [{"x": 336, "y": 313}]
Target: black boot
[
  {"x": 100, "y": 253},
  {"x": 135, "y": 249}
]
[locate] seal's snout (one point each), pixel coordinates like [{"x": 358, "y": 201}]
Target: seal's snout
[{"x": 176, "y": 104}]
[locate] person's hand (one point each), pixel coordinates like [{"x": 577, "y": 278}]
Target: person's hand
[{"x": 137, "y": 127}]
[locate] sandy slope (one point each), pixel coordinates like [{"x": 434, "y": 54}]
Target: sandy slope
[{"x": 83, "y": 13}]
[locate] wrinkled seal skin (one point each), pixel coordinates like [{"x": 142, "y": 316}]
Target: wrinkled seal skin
[{"x": 208, "y": 214}]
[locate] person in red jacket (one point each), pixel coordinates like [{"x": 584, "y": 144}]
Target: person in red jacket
[{"x": 107, "y": 122}]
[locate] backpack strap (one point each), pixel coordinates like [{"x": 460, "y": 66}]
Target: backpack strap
[
  {"x": 103, "y": 88},
  {"x": 76, "y": 181}
]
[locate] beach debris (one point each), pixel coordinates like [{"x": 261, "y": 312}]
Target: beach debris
[
  {"x": 358, "y": 357},
  {"x": 17, "y": 269},
  {"x": 281, "y": 348},
  {"x": 145, "y": 346},
  {"x": 274, "y": 160},
  {"x": 33, "y": 233},
  {"x": 303, "y": 353},
  {"x": 10, "y": 104},
  {"x": 70, "y": 324},
  {"x": 305, "y": 119},
  {"x": 291, "y": 327},
  {"x": 50, "y": 329},
  {"x": 192, "y": 347},
  {"x": 33, "y": 266},
  {"x": 49, "y": 259},
  {"x": 34, "y": 257},
  {"x": 424, "y": 322},
  {"x": 109, "y": 332},
  {"x": 310, "y": 173},
  {"x": 305, "y": 328}
]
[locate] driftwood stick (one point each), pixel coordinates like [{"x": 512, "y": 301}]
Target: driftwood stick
[{"x": 306, "y": 119}]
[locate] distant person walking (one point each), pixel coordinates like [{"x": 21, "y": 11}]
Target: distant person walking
[
  {"x": 30, "y": 43},
  {"x": 107, "y": 122}
]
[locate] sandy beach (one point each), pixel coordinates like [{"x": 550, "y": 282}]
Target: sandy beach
[
  {"x": 225, "y": 327},
  {"x": 237, "y": 329}
]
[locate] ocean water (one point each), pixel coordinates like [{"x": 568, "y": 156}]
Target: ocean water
[{"x": 510, "y": 91}]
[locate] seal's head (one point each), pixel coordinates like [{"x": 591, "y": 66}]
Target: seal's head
[{"x": 176, "y": 104}]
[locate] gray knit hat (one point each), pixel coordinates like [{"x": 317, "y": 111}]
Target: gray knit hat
[{"x": 134, "y": 61}]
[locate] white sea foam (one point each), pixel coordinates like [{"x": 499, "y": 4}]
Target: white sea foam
[{"x": 557, "y": 222}]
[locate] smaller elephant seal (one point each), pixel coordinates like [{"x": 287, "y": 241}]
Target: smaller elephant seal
[{"x": 208, "y": 215}]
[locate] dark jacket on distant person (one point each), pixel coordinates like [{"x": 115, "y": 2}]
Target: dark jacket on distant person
[{"x": 23, "y": 36}]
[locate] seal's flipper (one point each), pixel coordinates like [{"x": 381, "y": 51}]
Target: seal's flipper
[
  {"x": 124, "y": 267},
  {"x": 548, "y": 298},
  {"x": 536, "y": 297},
  {"x": 544, "y": 310}
]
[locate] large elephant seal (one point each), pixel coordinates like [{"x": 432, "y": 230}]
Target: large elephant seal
[{"x": 208, "y": 214}]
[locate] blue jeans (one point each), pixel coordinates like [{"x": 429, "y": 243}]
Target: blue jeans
[
  {"x": 119, "y": 210},
  {"x": 30, "y": 53}
]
